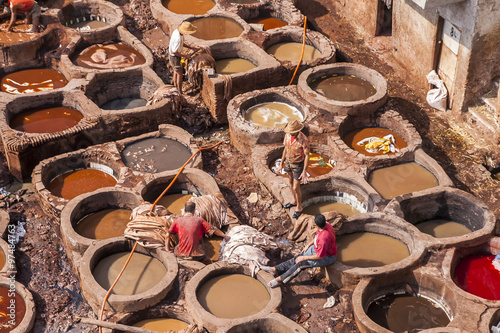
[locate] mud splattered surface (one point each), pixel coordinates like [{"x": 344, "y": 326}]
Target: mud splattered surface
[{"x": 43, "y": 264}]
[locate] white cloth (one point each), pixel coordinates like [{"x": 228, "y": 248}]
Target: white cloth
[{"x": 176, "y": 43}]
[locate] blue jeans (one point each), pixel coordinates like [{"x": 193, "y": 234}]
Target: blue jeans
[{"x": 287, "y": 270}]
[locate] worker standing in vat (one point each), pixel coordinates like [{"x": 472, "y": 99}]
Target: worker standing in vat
[
  {"x": 190, "y": 229},
  {"x": 175, "y": 54},
  {"x": 29, "y": 7},
  {"x": 295, "y": 160},
  {"x": 321, "y": 251}
]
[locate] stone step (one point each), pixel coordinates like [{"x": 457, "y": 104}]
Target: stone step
[{"x": 486, "y": 118}]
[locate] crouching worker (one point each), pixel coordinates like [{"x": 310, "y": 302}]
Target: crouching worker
[
  {"x": 321, "y": 251},
  {"x": 190, "y": 229},
  {"x": 28, "y": 7}
]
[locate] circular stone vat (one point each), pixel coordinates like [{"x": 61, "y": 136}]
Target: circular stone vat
[
  {"x": 414, "y": 302},
  {"x": 189, "y": 7},
  {"x": 402, "y": 248},
  {"x": 131, "y": 295},
  {"x": 101, "y": 214},
  {"x": 291, "y": 51},
  {"x": 75, "y": 182},
  {"x": 216, "y": 27},
  {"x": 249, "y": 299},
  {"x": 343, "y": 203},
  {"x": 245, "y": 135},
  {"x": 272, "y": 323},
  {"x": 32, "y": 81},
  {"x": 366, "y": 106},
  {"x": 268, "y": 23},
  {"x": 446, "y": 216},
  {"x": 18, "y": 305},
  {"x": 96, "y": 17},
  {"x": 158, "y": 319},
  {"x": 108, "y": 56},
  {"x": 46, "y": 120},
  {"x": 233, "y": 65}
]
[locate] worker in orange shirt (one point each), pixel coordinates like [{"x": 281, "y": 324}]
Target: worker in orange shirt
[{"x": 29, "y": 7}]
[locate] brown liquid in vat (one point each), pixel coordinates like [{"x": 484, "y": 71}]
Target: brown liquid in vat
[
  {"x": 32, "y": 81},
  {"x": 191, "y": 7},
  {"x": 319, "y": 165},
  {"x": 117, "y": 55},
  {"x": 368, "y": 249},
  {"x": 2, "y": 259},
  {"x": 401, "y": 179},
  {"x": 7, "y": 324},
  {"x": 124, "y": 103},
  {"x": 74, "y": 183},
  {"x": 20, "y": 33},
  {"x": 233, "y": 296},
  {"x": 442, "y": 228},
  {"x": 323, "y": 207},
  {"x": 233, "y": 65},
  {"x": 104, "y": 224},
  {"x": 155, "y": 155},
  {"x": 291, "y": 51},
  {"x": 272, "y": 114},
  {"x": 162, "y": 324},
  {"x": 174, "y": 202},
  {"x": 352, "y": 138},
  {"x": 210, "y": 28},
  {"x": 89, "y": 25},
  {"x": 269, "y": 22},
  {"x": 46, "y": 120},
  {"x": 345, "y": 88},
  {"x": 143, "y": 272},
  {"x": 406, "y": 313}
]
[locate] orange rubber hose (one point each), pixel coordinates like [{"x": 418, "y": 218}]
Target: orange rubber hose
[
  {"x": 303, "y": 49},
  {"x": 151, "y": 210}
]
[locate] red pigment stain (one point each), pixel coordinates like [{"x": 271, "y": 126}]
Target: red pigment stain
[{"x": 477, "y": 275}]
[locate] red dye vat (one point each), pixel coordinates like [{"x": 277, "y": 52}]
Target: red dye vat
[{"x": 477, "y": 275}]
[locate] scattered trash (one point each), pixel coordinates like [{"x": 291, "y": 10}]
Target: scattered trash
[
  {"x": 330, "y": 302},
  {"x": 3, "y": 192},
  {"x": 18, "y": 232},
  {"x": 253, "y": 197}
]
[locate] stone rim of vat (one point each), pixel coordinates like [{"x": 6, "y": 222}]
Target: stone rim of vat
[
  {"x": 91, "y": 8},
  {"x": 275, "y": 321},
  {"x": 169, "y": 132},
  {"x": 384, "y": 224},
  {"x": 222, "y": 14},
  {"x": 245, "y": 135},
  {"x": 429, "y": 285},
  {"x": 419, "y": 157},
  {"x": 94, "y": 293},
  {"x": 454, "y": 255},
  {"x": 465, "y": 207},
  {"x": 89, "y": 203},
  {"x": 28, "y": 320},
  {"x": 191, "y": 180},
  {"x": 48, "y": 24},
  {"x": 362, "y": 107},
  {"x": 7, "y": 268},
  {"x": 295, "y": 34},
  {"x": 120, "y": 34},
  {"x": 390, "y": 120},
  {"x": 208, "y": 320},
  {"x": 284, "y": 10},
  {"x": 153, "y": 313}
]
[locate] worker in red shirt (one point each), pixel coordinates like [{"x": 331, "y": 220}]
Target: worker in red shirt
[
  {"x": 191, "y": 229},
  {"x": 321, "y": 251},
  {"x": 28, "y": 7}
]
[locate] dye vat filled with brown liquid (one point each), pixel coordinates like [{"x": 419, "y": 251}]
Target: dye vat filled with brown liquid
[
  {"x": 191, "y": 7},
  {"x": 104, "y": 224},
  {"x": 372, "y": 141},
  {"x": 174, "y": 202},
  {"x": 162, "y": 324},
  {"x": 88, "y": 24},
  {"x": 32, "y": 81},
  {"x": 319, "y": 165},
  {"x": 272, "y": 114},
  {"x": 330, "y": 206},
  {"x": 233, "y": 296},
  {"x": 344, "y": 88},
  {"x": 368, "y": 249},
  {"x": 401, "y": 179},
  {"x": 46, "y": 120},
  {"x": 405, "y": 313},
  {"x": 110, "y": 56},
  {"x": 210, "y": 28},
  {"x": 269, "y": 22},
  {"x": 73, "y": 183},
  {"x": 124, "y": 103},
  {"x": 291, "y": 51},
  {"x": 155, "y": 155},
  {"x": 20, "y": 33},
  {"x": 233, "y": 65},
  {"x": 11, "y": 317},
  {"x": 442, "y": 228},
  {"x": 143, "y": 272}
]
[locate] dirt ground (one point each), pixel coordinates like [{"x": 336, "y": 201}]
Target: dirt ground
[{"x": 43, "y": 265}]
